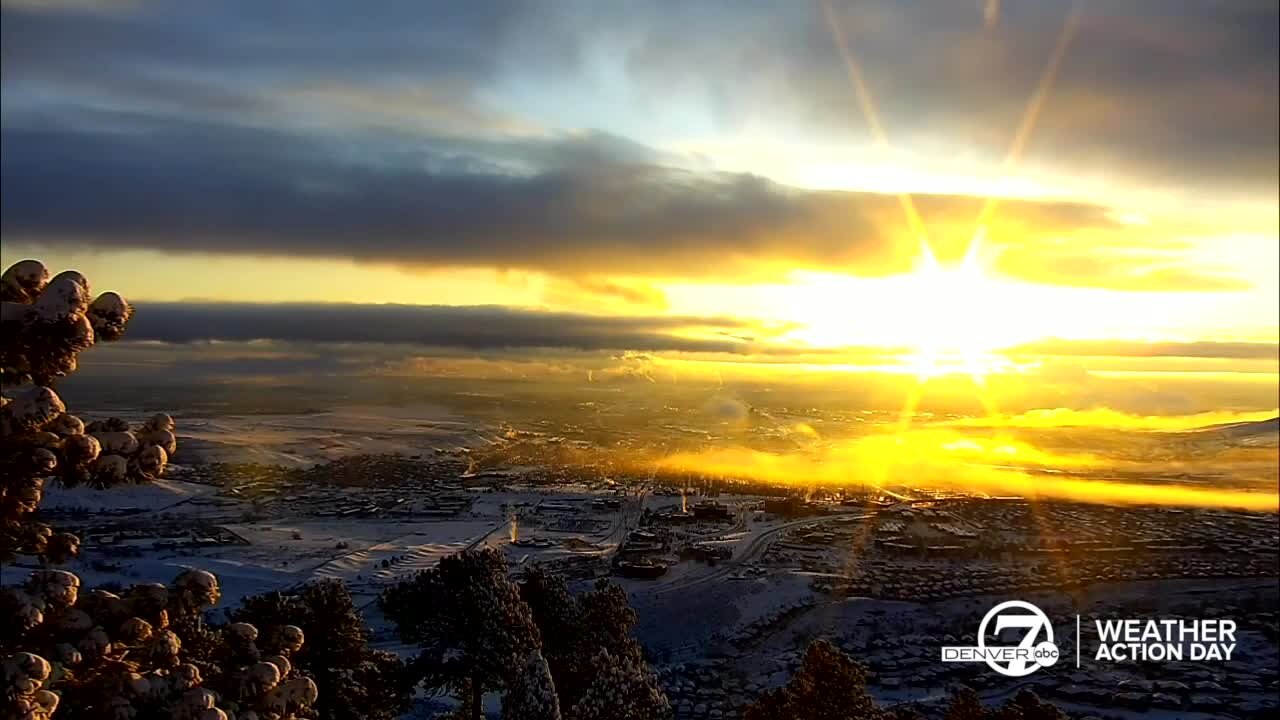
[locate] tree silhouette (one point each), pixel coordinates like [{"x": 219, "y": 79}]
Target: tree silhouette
[
  {"x": 45, "y": 325},
  {"x": 98, "y": 654},
  {"x": 357, "y": 681},
  {"x": 831, "y": 686},
  {"x": 92, "y": 655},
  {"x": 828, "y": 686},
  {"x": 623, "y": 688},
  {"x": 478, "y": 632},
  {"x": 576, "y": 629},
  {"x": 473, "y": 631},
  {"x": 532, "y": 695},
  {"x": 559, "y": 621},
  {"x": 964, "y": 704}
]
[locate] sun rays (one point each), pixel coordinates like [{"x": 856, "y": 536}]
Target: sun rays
[{"x": 953, "y": 334}]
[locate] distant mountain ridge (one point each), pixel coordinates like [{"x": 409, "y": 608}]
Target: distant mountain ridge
[
  {"x": 1250, "y": 427},
  {"x": 1256, "y": 432}
]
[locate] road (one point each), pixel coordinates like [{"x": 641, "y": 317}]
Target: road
[
  {"x": 627, "y": 520},
  {"x": 754, "y": 547}
]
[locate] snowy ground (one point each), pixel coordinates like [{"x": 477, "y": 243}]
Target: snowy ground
[
  {"x": 301, "y": 440},
  {"x": 753, "y": 614},
  {"x": 282, "y": 552},
  {"x": 750, "y": 615},
  {"x": 157, "y": 496}
]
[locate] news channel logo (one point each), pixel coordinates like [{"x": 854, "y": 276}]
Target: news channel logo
[{"x": 1034, "y": 650}]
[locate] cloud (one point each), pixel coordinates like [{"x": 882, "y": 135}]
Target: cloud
[
  {"x": 604, "y": 290},
  {"x": 402, "y": 104},
  {"x": 1163, "y": 91},
  {"x": 1103, "y": 262},
  {"x": 721, "y": 339},
  {"x": 215, "y": 189},
  {"x": 576, "y": 205},
  {"x": 1138, "y": 349},
  {"x": 1172, "y": 94},
  {"x": 76, "y": 5},
  {"x": 393, "y": 135},
  {"x": 471, "y": 327},
  {"x": 458, "y": 45}
]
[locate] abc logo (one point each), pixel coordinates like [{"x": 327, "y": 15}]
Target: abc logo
[{"x": 1045, "y": 654}]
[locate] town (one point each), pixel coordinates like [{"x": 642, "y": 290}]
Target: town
[{"x": 730, "y": 578}]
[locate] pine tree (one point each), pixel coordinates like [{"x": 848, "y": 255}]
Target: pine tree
[
  {"x": 472, "y": 629},
  {"x": 828, "y": 686},
  {"x": 91, "y": 653},
  {"x": 44, "y": 326},
  {"x": 564, "y": 640},
  {"x": 532, "y": 695},
  {"x": 608, "y": 617},
  {"x": 131, "y": 655},
  {"x": 575, "y": 629},
  {"x": 624, "y": 688},
  {"x": 965, "y": 704},
  {"x": 357, "y": 681}
]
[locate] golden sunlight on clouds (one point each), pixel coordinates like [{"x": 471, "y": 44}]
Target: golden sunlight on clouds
[
  {"x": 992, "y": 311},
  {"x": 157, "y": 276}
]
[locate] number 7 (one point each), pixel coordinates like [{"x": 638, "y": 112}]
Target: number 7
[{"x": 1020, "y": 621}]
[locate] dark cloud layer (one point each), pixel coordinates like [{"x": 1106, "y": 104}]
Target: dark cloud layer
[
  {"x": 469, "y": 327},
  {"x": 1166, "y": 90},
  {"x": 488, "y": 328},
  {"x": 598, "y": 207},
  {"x": 1121, "y": 348},
  {"x": 1174, "y": 93},
  {"x": 364, "y": 131}
]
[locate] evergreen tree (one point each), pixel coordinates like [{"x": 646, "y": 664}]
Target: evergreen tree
[
  {"x": 532, "y": 695},
  {"x": 575, "y": 629},
  {"x": 555, "y": 612},
  {"x": 607, "y": 617},
  {"x": 44, "y": 326},
  {"x": 95, "y": 654},
  {"x": 357, "y": 681},
  {"x": 473, "y": 630},
  {"x": 965, "y": 704},
  {"x": 145, "y": 653},
  {"x": 828, "y": 686},
  {"x": 623, "y": 688}
]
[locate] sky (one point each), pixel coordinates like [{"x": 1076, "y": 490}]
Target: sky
[{"x": 782, "y": 184}]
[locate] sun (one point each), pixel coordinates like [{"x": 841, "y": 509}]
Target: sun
[
  {"x": 938, "y": 319},
  {"x": 955, "y": 317}
]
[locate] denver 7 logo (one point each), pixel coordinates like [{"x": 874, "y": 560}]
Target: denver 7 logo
[
  {"x": 1017, "y": 660},
  {"x": 1027, "y": 656}
]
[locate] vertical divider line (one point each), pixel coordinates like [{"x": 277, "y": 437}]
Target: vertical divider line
[{"x": 1077, "y": 642}]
